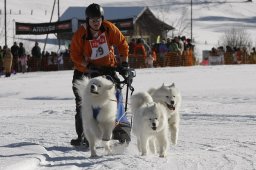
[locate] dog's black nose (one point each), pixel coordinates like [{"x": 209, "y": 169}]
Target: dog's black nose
[
  {"x": 93, "y": 87},
  {"x": 154, "y": 124},
  {"x": 172, "y": 102}
]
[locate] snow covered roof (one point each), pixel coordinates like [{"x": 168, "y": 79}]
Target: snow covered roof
[
  {"x": 116, "y": 13},
  {"x": 110, "y": 13},
  {"x": 139, "y": 15}
]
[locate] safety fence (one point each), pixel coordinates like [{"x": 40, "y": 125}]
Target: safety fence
[
  {"x": 228, "y": 58},
  {"x": 233, "y": 58},
  {"x": 50, "y": 64},
  {"x": 170, "y": 59}
]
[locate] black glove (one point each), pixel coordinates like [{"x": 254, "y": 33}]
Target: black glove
[
  {"x": 123, "y": 69},
  {"x": 125, "y": 64}
]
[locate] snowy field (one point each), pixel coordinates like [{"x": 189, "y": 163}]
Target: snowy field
[{"x": 218, "y": 123}]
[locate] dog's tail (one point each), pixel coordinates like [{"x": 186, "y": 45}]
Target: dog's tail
[{"x": 140, "y": 99}]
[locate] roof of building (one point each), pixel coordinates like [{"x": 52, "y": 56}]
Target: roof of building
[
  {"x": 110, "y": 13},
  {"x": 114, "y": 13}
]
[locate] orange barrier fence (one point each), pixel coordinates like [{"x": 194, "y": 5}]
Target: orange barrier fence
[
  {"x": 228, "y": 58},
  {"x": 171, "y": 59},
  {"x": 231, "y": 58}
]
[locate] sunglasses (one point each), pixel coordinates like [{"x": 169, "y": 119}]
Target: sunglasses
[{"x": 95, "y": 19}]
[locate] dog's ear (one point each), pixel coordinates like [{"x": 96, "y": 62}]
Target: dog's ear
[
  {"x": 172, "y": 85},
  {"x": 109, "y": 78},
  {"x": 110, "y": 86},
  {"x": 163, "y": 86},
  {"x": 154, "y": 105}
]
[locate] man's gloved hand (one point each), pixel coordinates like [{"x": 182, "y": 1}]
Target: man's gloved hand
[
  {"x": 123, "y": 69},
  {"x": 125, "y": 65}
]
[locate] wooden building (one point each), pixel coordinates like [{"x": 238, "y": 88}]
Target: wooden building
[{"x": 134, "y": 22}]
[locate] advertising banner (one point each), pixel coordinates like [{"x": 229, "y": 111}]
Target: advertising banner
[{"x": 44, "y": 28}]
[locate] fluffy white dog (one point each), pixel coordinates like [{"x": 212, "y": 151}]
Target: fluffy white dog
[
  {"x": 99, "y": 109},
  {"x": 170, "y": 97},
  {"x": 150, "y": 124}
]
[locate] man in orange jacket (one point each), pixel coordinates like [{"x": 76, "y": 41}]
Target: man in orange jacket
[{"x": 92, "y": 47}]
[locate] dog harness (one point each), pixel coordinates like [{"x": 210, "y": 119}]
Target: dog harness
[{"x": 95, "y": 112}]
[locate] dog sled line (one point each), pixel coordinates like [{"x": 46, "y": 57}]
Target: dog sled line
[{"x": 105, "y": 119}]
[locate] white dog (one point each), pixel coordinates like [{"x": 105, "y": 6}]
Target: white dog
[
  {"x": 99, "y": 109},
  {"x": 150, "y": 124},
  {"x": 170, "y": 97}
]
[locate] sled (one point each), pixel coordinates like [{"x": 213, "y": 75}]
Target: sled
[{"x": 122, "y": 129}]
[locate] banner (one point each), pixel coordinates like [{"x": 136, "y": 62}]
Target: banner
[
  {"x": 122, "y": 24},
  {"x": 216, "y": 60},
  {"x": 44, "y": 28}
]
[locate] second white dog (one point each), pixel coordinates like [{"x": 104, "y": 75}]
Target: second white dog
[
  {"x": 150, "y": 124},
  {"x": 170, "y": 97},
  {"x": 99, "y": 109}
]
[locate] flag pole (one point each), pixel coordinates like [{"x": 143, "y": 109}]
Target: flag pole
[{"x": 5, "y": 29}]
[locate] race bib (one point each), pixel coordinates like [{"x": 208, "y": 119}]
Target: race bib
[{"x": 99, "y": 47}]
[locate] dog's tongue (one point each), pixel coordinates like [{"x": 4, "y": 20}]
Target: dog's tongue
[
  {"x": 94, "y": 91},
  {"x": 171, "y": 107}
]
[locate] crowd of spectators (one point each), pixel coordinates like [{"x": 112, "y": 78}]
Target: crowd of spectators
[
  {"x": 17, "y": 59},
  {"x": 158, "y": 54},
  {"x": 178, "y": 51},
  {"x": 229, "y": 55}
]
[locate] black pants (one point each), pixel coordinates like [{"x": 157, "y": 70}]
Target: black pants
[{"x": 78, "y": 119}]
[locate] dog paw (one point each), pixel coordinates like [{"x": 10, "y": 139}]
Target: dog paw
[
  {"x": 144, "y": 154},
  {"x": 163, "y": 155},
  {"x": 106, "y": 139},
  {"x": 174, "y": 141},
  {"x": 108, "y": 151},
  {"x": 94, "y": 156}
]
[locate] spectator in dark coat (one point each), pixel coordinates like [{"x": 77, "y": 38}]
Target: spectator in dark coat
[
  {"x": 15, "y": 54},
  {"x": 37, "y": 56},
  {"x": 132, "y": 45},
  {"x": 22, "y": 52}
]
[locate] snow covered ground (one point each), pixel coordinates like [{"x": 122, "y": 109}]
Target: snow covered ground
[
  {"x": 218, "y": 111},
  {"x": 218, "y": 123}
]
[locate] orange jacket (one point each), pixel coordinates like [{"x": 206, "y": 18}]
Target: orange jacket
[
  {"x": 81, "y": 49},
  {"x": 140, "y": 51},
  {"x": 154, "y": 55}
]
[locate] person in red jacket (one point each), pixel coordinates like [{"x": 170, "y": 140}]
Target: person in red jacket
[
  {"x": 140, "y": 53},
  {"x": 92, "y": 48}
]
